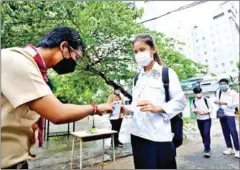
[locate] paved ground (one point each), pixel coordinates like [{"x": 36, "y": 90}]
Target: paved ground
[
  {"x": 56, "y": 155},
  {"x": 190, "y": 155}
]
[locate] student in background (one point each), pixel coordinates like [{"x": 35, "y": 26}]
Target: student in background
[
  {"x": 116, "y": 123},
  {"x": 228, "y": 100},
  {"x": 202, "y": 107}
]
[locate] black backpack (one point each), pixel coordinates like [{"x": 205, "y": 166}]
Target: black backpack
[
  {"x": 219, "y": 96},
  {"x": 176, "y": 122}
]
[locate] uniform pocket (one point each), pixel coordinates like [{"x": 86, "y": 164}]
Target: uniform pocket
[{"x": 29, "y": 118}]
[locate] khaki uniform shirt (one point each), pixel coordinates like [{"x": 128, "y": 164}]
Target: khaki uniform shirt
[
  {"x": 22, "y": 82},
  {"x": 113, "y": 98}
]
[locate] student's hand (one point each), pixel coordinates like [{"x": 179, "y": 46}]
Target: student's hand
[
  {"x": 196, "y": 112},
  {"x": 104, "y": 108},
  {"x": 222, "y": 103},
  {"x": 203, "y": 113},
  {"x": 147, "y": 106}
]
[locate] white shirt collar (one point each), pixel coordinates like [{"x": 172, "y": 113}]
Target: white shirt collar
[{"x": 156, "y": 66}]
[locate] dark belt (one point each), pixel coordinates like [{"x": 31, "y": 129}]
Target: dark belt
[{"x": 20, "y": 165}]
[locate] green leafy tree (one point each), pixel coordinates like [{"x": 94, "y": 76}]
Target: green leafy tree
[{"x": 107, "y": 29}]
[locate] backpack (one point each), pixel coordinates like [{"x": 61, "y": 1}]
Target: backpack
[
  {"x": 205, "y": 100},
  {"x": 176, "y": 122},
  {"x": 220, "y": 111},
  {"x": 220, "y": 93}
]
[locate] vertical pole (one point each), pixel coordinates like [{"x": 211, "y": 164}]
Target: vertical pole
[
  {"x": 103, "y": 155},
  {"x": 113, "y": 147},
  {"x": 72, "y": 157},
  {"x": 81, "y": 154}
]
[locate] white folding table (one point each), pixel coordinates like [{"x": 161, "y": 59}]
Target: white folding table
[{"x": 85, "y": 136}]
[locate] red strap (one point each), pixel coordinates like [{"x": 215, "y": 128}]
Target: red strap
[{"x": 95, "y": 108}]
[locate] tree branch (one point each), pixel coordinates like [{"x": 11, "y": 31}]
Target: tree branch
[{"x": 109, "y": 82}]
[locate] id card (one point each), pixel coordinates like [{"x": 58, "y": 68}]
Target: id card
[{"x": 116, "y": 110}]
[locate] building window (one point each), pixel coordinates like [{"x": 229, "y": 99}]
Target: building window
[
  {"x": 219, "y": 15},
  {"x": 223, "y": 64},
  {"x": 196, "y": 40},
  {"x": 230, "y": 11},
  {"x": 205, "y": 53},
  {"x": 203, "y": 38},
  {"x": 216, "y": 66},
  {"x": 233, "y": 70},
  {"x": 214, "y": 50},
  {"x": 206, "y": 60},
  {"x": 231, "y": 62}
]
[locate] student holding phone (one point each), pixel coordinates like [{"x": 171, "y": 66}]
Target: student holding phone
[
  {"x": 151, "y": 134},
  {"x": 228, "y": 100}
]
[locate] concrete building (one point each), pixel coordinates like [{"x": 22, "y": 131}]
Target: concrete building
[
  {"x": 211, "y": 37},
  {"x": 217, "y": 44}
]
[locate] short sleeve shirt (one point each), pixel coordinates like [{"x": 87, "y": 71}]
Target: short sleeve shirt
[{"x": 21, "y": 82}]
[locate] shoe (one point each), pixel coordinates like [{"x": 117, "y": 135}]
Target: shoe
[
  {"x": 207, "y": 154},
  {"x": 120, "y": 144},
  {"x": 228, "y": 151},
  {"x": 237, "y": 154}
]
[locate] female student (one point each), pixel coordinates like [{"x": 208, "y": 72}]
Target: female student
[{"x": 151, "y": 135}]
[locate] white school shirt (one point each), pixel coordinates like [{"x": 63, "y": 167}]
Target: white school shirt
[
  {"x": 201, "y": 106},
  {"x": 231, "y": 97},
  {"x": 156, "y": 126}
]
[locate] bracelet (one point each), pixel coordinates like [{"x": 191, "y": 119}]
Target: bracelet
[{"x": 94, "y": 109}]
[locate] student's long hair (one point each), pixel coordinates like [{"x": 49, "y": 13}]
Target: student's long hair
[{"x": 148, "y": 39}]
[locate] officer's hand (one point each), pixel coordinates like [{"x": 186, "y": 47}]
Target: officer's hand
[{"x": 147, "y": 106}]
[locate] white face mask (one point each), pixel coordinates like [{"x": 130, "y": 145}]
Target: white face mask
[
  {"x": 199, "y": 95},
  {"x": 143, "y": 58}
]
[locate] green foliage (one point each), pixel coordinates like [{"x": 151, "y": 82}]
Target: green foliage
[
  {"x": 238, "y": 65},
  {"x": 107, "y": 29}
]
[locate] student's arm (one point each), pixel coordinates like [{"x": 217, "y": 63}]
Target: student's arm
[
  {"x": 176, "y": 104},
  {"x": 211, "y": 105},
  {"x": 235, "y": 101},
  {"x": 194, "y": 110}
]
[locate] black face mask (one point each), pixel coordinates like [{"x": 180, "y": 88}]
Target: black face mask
[{"x": 65, "y": 66}]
